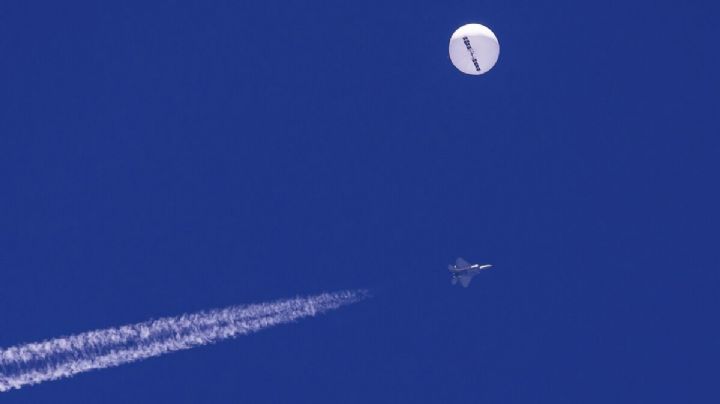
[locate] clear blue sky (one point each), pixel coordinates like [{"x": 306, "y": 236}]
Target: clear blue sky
[{"x": 170, "y": 156}]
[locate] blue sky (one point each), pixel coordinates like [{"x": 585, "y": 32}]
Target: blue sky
[{"x": 172, "y": 156}]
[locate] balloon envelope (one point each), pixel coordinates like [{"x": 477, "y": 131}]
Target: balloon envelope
[{"x": 474, "y": 49}]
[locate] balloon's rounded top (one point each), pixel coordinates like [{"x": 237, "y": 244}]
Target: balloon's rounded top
[{"x": 474, "y": 49}]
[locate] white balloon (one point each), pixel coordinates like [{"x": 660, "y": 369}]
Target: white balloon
[{"x": 474, "y": 49}]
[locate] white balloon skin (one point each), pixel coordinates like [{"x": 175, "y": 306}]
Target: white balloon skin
[{"x": 474, "y": 49}]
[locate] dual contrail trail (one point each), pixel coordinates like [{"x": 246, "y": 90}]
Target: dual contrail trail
[{"x": 33, "y": 363}]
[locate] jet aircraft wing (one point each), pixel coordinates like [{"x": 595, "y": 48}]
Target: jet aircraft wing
[
  {"x": 465, "y": 280},
  {"x": 461, "y": 263}
]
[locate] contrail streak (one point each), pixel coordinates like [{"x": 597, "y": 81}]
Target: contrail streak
[{"x": 33, "y": 363}]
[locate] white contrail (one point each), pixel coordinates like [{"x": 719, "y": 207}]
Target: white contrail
[{"x": 58, "y": 358}]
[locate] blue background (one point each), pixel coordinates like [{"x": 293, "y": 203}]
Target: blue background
[{"x": 169, "y": 156}]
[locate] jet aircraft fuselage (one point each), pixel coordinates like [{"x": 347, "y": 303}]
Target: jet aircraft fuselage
[{"x": 463, "y": 271}]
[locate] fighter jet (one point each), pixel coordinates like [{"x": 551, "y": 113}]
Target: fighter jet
[{"x": 463, "y": 271}]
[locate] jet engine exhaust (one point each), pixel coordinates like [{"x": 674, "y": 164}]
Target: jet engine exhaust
[{"x": 33, "y": 363}]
